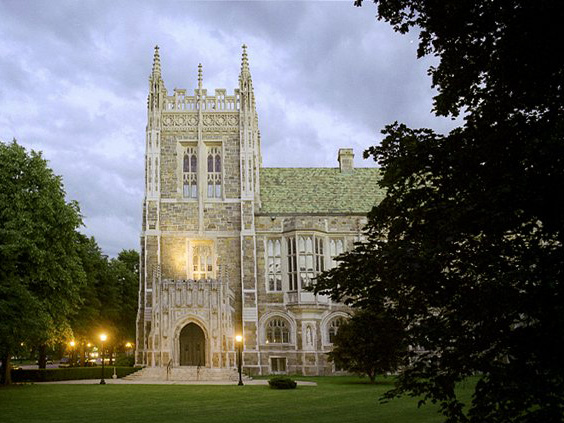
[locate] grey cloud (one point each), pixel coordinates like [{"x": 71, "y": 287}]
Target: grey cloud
[{"x": 73, "y": 83}]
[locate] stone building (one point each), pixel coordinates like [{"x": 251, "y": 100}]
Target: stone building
[{"x": 229, "y": 247}]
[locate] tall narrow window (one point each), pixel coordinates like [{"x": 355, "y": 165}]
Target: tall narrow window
[
  {"x": 336, "y": 248},
  {"x": 319, "y": 259},
  {"x": 305, "y": 260},
  {"x": 149, "y": 175},
  {"x": 292, "y": 264},
  {"x": 334, "y": 328},
  {"x": 190, "y": 173},
  {"x": 273, "y": 263},
  {"x": 214, "y": 172},
  {"x": 156, "y": 177},
  {"x": 202, "y": 262}
]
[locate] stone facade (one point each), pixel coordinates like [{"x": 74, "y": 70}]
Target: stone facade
[{"x": 228, "y": 247}]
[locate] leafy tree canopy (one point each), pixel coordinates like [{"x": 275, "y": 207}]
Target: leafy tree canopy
[
  {"x": 40, "y": 272},
  {"x": 466, "y": 248},
  {"x": 369, "y": 343},
  {"x": 109, "y": 297}
]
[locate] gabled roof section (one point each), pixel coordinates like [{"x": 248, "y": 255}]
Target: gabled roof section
[{"x": 319, "y": 190}]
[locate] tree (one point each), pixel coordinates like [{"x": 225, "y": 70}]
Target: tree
[
  {"x": 40, "y": 272},
  {"x": 466, "y": 248},
  {"x": 126, "y": 271},
  {"x": 369, "y": 343},
  {"x": 108, "y": 298}
]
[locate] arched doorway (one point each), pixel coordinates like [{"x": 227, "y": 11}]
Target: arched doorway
[{"x": 192, "y": 346}]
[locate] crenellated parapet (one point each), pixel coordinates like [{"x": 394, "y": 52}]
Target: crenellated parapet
[{"x": 220, "y": 102}]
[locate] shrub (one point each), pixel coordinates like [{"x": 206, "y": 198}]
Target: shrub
[
  {"x": 71, "y": 373},
  {"x": 123, "y": 360},
  {"x": 282, "y": 382}
]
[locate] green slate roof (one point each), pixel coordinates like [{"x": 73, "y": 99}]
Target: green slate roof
[{"x": 319, "y": 190}]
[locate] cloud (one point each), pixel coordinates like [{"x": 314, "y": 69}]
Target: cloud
[{"x": 73, "y": 83}]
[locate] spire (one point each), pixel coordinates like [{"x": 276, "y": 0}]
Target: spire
[
  {"x": 156, "y": 64},
  {"x": 199, "y": 76},
  {"x": 245, "y": 72}
]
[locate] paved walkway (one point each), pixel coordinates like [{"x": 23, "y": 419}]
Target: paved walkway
[{"x": 111, "y": 381}]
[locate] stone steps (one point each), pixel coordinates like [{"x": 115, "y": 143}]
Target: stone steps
[{"x": 184, "y": 373}]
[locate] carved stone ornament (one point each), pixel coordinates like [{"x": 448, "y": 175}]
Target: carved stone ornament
[{"x": 209, "y": 120}]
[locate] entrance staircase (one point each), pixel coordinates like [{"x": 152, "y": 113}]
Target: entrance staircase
[{"x": 184, "y": 374}]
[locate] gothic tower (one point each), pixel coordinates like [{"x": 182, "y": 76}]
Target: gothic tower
[{"x": 198, "y": 243}]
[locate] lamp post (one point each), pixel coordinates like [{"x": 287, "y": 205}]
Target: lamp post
[
  {"x": 239, "y": 342},
  {"x": 72, "y": 344},
  {"x": 103, "y": 338}
]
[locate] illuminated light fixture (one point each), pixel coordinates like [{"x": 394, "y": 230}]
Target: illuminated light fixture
[
  {"x": 239, "y": 342},
  {"x": 103, "y": 338}
]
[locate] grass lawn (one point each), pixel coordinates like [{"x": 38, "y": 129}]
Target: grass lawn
[{"x": 335, "y": 399}]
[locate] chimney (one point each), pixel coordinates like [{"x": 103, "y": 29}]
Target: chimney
[{"x": 345, "y": 158}]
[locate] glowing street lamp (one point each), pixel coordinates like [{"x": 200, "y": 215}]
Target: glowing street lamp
[
  {"x": 72, "y": 344},
  {"x": 239, "y": 342},
  {"x": 128, "y": 348},
  {"x": 103, "y": 338}
]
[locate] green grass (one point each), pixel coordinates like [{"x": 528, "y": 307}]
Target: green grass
[{"x": 335, "y": 399}]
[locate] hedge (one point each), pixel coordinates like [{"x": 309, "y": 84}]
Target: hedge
[
  {"x": 71, "y": 373},
  {"x": 282, "y": 382}
]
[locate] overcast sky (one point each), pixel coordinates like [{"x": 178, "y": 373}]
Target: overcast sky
[{"x": 74, "y": 81}]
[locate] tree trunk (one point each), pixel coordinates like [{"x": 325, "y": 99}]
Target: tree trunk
[
  {"x": 372, "y": 376},
  {"x": 6, "y": 375},
  {"x": 42, "y": 361},
  {"x": 111, "y": 355}
]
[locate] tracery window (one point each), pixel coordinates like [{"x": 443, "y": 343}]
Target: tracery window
[
  {"x": 273, "y": 263},
  {"x": 305, "y": 260},
  {"x": 336, "y": 248},
  {"x": 202, "y": 262},
  {"x": 190, "y": 173},
  {"x": 292, "y": 264},
  {"x": 277, "y": 331},
  {"x": 334, "y": 328},
  {"x": 214, "y": 172}
]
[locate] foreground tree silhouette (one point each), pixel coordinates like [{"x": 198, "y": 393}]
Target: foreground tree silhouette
[
  {"x": 40, "y": 272},
  {"x": 466, "y": 248},
  {"x": 369, "y": 343}
]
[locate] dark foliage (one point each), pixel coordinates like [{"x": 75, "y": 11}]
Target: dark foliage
[
  {"x": 75, "y": 373},
  {"x": 109, "y": 297},
  {"x": 40, "y": 272},
  {"x": 369, "y": 343},
  {"x": 281, "y": 382},
  {"x": 466, "y": 248}
]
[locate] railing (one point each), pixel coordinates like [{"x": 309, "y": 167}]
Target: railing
[{"x": 306, "y": 297}]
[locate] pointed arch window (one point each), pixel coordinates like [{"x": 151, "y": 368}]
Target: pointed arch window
[
  {"x": 214, "y": 172},
  {"x": 190, "y": 173},
  {"x": 274, "y": 265},
  {"x": 334, "y": 328},
  {"x": 336, "y": 248},
  {"x": 277, "y": 331}
]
